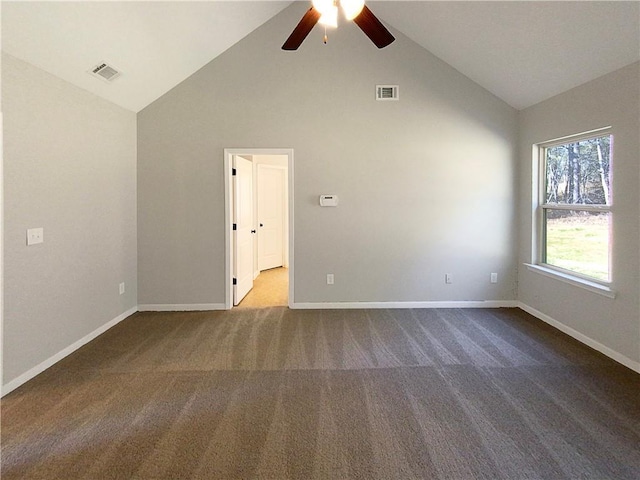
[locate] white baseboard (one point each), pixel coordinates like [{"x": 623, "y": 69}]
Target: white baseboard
[
  {"x": 29, "y": 374},
  {"x": 363, "y": 305},
  {"x": 185, "y": 307},
  {"x": 618, "y": 357}
]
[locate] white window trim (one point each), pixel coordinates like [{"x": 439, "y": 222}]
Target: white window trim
[
  {"x": 571, "y": 279},
  {"x": 577, "y": 206},
  {"x": 594, "y": 285}
]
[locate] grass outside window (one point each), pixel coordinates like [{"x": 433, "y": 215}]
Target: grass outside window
[{"x": 579, "y": 242}]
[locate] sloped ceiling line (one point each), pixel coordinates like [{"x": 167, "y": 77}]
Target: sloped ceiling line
[{"x": 521, "y": 51}]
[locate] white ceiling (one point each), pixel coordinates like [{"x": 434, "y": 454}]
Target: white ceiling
[
  {"x": 521, "y": 51},
  {"x": 156, "y": 45}
]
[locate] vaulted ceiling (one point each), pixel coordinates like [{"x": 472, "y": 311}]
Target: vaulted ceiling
[{"x": 521, "y": 51}]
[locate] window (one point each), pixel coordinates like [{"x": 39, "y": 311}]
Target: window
[{"x": 575, "y": 205}]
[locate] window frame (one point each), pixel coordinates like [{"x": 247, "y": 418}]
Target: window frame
[{"x": 540, "y": 187}]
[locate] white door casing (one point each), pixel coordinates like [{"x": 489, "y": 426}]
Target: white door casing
[
  {"x": 271, "y": 208},
  {"x": 244, "y": 227}
]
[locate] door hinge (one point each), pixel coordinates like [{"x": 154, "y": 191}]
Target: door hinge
[
  {"x": 235, "y": 282},
  {"x": 233, "y": 172},
  {"x": 235, "y": 226}
]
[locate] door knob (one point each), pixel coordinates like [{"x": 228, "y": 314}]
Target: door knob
[{"x": 261, "y": 225}]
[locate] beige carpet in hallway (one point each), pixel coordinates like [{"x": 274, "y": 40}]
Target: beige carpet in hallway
[{"x": 270, "y": 289}]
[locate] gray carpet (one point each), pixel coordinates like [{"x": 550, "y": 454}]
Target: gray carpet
[{"x": 367, "y": 394}]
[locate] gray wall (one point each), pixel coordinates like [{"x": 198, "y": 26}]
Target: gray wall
[
  {"x": 70, "y": 167},
  {"x": 426, "y": 185},
  {"x": 610, "y": 100}
]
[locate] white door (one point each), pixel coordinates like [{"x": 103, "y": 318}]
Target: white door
[
  {"x": 271, "y": 183},
  {"x": 243, "y": 228}
]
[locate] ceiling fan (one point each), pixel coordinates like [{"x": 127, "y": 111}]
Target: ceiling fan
[{"x": 325, "y": 12}]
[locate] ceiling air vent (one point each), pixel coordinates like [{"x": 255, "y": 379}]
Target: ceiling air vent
[
  {"x": 387, "y": 92},
  {"x": 105, "y": 72}
]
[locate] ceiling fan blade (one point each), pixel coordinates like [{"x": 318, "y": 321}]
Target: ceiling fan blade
[
  {"x": 303, "y": 28},
  {"x": 373, "y": 28}
]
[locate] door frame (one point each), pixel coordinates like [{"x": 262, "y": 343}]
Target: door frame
[{"x": 228, "y": 215}]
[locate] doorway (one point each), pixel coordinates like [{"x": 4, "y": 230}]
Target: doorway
[
  {"x": 258, "y": 227},
  {"x": 269, "y": 290}
]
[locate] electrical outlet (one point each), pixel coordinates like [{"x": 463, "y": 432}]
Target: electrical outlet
[
  {"x": 122, "y": 288},
  {"x": 448, "y": 278},
  {"x": 329, "y": 278},
  {"x": 35, "y": 235},
  {"x": 494, "y": 278}
]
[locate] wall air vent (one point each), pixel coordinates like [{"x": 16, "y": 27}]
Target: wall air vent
[
  {"x": 387, "y": 92},
  {"x": 105, "y": 72}
]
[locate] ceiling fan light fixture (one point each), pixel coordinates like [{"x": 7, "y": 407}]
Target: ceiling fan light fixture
[
  {"x": 326, "y": 13},
  {"x": 329, "y": 17},
  {"x": 351, "y": 8},
  {"x": 323, "y": 6}
]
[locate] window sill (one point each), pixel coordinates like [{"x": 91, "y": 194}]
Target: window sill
[{"x": 572, "y": 280}]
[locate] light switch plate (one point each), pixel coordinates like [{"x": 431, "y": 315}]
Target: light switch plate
[
  {"x": 35, "y": 235},
  {"x": 328, "y": 200}
]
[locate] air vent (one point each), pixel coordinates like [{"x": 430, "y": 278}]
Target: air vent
[
  {"x": 105, "y": 72},
  {"x": 387, "y": 92}
]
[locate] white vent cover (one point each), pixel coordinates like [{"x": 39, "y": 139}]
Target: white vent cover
[
  {"x": 387, "y": 92},
  {"x": 105, "y": 72}
]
